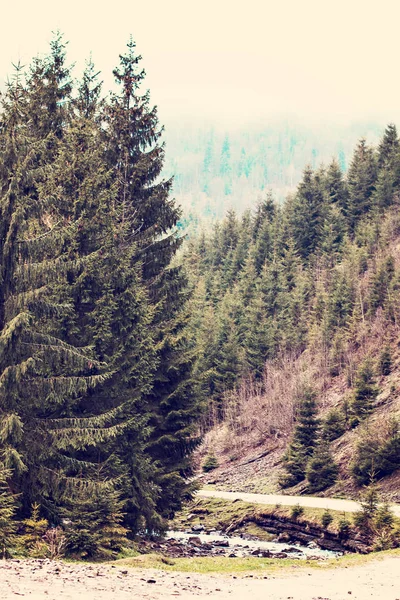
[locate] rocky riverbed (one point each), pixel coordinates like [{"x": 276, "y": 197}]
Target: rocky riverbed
[{"x": 213, "y": 543}]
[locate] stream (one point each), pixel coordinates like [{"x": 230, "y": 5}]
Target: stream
[{"x": 236, "y": 546}]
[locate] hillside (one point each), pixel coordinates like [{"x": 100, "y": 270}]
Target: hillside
[
  {"x": 252, "y": 461},
  {"x": 295, "y": 313}
]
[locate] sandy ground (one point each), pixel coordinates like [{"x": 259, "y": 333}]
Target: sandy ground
[
  {"x": 309, "y": 501},
  {"x": 41, "y": 580}
]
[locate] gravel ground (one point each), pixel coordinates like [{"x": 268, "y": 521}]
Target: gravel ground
[
  {"x": 42, "y": 579},
  {"x": 308, "y": 501}
]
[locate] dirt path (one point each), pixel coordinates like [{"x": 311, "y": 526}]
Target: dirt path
[
  {"x": 39, "y": 580},
  {"x": 308, "y": 501}
]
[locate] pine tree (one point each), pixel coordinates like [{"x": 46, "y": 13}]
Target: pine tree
[
  {"x": 108, "y": 309},
  {"x": 336, "y": 188},
  {"x": 93, "y": 524},
  {"x": 333, "y": 234},
  {"x": 49, "y": 87},
  {"x": 229, "y": 357},
  {"x": 39, "y": 372},
  {"x": 8, "y": 507},
  {"x": 388, "y": 147},
  {"x": 341, "y": 301},
  {"x": 380, "y": 284},
  {"x": 304, "y": 439},
  {"x": 258, "y": 337},
  {"x": 365, "y": 391},
  {"x": 361, "y": 183},
  {"x": 321, "y": 470},
  {"x": 147, "y": 222},
  {"x": 265, "y": 211},
  {"x": 308, "y": 207}
]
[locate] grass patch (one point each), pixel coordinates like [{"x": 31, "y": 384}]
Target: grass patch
[
  {"x": 217, "y": 513},
  {"x": 225, "y": 565}
]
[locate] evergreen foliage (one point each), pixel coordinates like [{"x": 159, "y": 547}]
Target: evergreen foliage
[
  {"x": 326, "y": 519},
  {"x": 308, "y": 276},
  {"x": 112, "y": 342},
  {"x": 375, "y": 458},
  {"x": 8, "y": 508},
  {"x": 385, "y": 361},
  {"x": 321, "y": 470},
  {"x": 94, "y": 524},
  {"x": 361, "y": 181},
  {"x": 96, "y": 360},
  {"x": 304, "y": 441},
  {"x": 365, "y": 391},
  {"x": 210, "y": 463},
  {"x": 333, "y": 426},
  {"x": 34, "y": 529}
]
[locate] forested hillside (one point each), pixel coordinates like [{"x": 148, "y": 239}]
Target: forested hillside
[
  {"x": 295, "y": 313},
  {"x": 98, "y": 406},
  {"x": 122, "y": 343}
]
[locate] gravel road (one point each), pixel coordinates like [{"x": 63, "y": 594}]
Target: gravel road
[{"x": 307, "y": 501}]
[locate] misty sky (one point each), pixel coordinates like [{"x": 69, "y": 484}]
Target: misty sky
[{"x": 223, "y": 60}]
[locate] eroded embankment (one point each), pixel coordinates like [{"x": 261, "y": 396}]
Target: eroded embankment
[{"x": 276, "y": 523}]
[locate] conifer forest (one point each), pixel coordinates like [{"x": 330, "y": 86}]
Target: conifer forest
[{"x": 125, "y": 343}]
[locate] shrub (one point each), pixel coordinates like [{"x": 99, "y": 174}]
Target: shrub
[
  {"x": 344, "y": 527},
  {"x": 7, "y": 512},
  {"x": 56, "y": 542},
  {"x": 296, "y": 511},
  {"x": 383, "y": 527},
  {"x": 385, "y": 361},
  {"x": 34, "y": 528},
  {"x": 322, "y": 472},
  {"x": 326, "y": 519},
  {"x": 210, "y": 463},
  {"x": 365, "y": 391},
  {"x": 334, "y": 426},
  {"x": 94, "y": 527},
  {"x": 376, "y": 521},
  {"x": 377, "y": 458}
]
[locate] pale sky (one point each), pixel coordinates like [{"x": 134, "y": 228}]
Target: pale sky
[{"x": 226, "y": 60}]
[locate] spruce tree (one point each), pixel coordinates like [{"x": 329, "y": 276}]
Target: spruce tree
[
  {"x": 304, "y": 439},
  {"x": 335, "y": 186},
  {"x": 361, "y": 181},
  {"x": 148, "y": 219},
  {"x": 321, "y": 470},
  {"x": 388, "y": 147},
  {"x": 365, "y": 391},
  {"x": 93, "y": 524},
  {"x": 40, "y": 374},
  {"x": 308, "y": 207},
  {"x": 8, "y": 507},
  {"x": 258, "y": 337}
]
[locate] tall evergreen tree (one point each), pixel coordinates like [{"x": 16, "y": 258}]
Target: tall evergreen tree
[
  {"x": 336, "y": 187},
  {"x": 361, "y": 181},
  {"x": 305, "y": 439},
  {"x": 40, "y": 374},
  {"x": 389, "y": 146},
  {"x": 149, "y": 217},
  {"x": 308, "y": 207}
]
